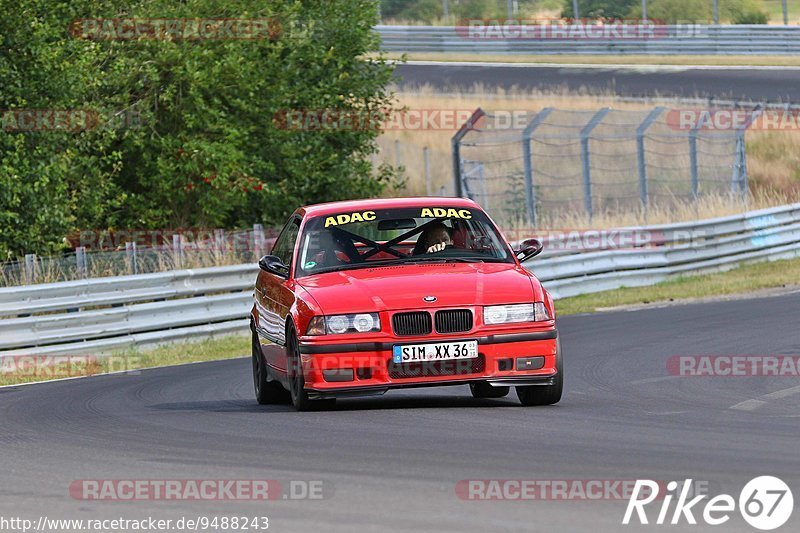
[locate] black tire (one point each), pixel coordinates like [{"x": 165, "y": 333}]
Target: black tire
[
  {"x": 267, "y": 391},
  {"x": 481, "y": 389},
  {"x": 545, "y": 394},
  {"x": 297, "y": 381}
]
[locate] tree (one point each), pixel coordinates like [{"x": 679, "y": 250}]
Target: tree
[{"x": 205, "y": 150}]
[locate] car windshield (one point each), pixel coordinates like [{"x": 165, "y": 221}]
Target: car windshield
[{"x": 381, "y": 237}]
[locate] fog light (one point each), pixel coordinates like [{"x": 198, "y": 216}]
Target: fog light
[
  {"x": 504, "y": 365},
  {"x": 530, "y": 363},
  {"x": 338, "y": 374}
]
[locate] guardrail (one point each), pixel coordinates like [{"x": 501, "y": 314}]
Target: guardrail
[
  {"x": 686, "y": 39},
  {"x": 103, "y": 315}
]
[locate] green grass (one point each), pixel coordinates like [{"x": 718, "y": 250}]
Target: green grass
[
  {"x": 31, "y": 369},
  {"x": 744, "y": 279}
]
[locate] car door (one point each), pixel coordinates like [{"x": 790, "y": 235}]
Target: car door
[{"x": 275, "y": 296}]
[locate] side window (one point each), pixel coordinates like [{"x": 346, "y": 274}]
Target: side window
[{"x": 284, "y": 246}]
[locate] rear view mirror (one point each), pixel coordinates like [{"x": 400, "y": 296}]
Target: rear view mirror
[
  {"x": 274, "y": 265},
  {"x": 397, "y": 223},
  {"x": 529, "y": 249}
]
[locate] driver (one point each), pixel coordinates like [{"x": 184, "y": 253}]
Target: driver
[{"x": 435, "y": 238}]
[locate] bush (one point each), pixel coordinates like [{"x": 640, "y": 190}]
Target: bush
[
  {"x": 744, "y": 12},
  {"x": 616, "y": 9},
  {"x": 675, "y": 11}
]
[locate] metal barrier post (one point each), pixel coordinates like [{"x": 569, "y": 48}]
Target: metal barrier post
[
  {"x": 130, "y": 253},
  {"x": 456, "y": 147},
  {"x": 693, "y": 161},
  {"x": 177, "y": 251},
  {"x": 258, "y": 240},
  {"x": 739, "y": 177},
  {"x": 587, "y": 173},
  {"x": 530, "y": 190},
  {"x": 397, "y": 157},
  {"x": 426, "y": 156},
  {"x": 640, "y": 155},
  {"x": 30, "y": 268},
  {"x": 80, "y": 262}
]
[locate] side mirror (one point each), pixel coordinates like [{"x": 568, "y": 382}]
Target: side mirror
[
  {"x": 529, "y": 249},
  {"x": 274, "y": 265}
]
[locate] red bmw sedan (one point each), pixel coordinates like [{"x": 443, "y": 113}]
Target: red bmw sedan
[{"x": 361, "y": 297}]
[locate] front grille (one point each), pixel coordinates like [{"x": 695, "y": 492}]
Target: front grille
[
  {"x": 408, "y": 324},
  {"x": 453, "y": 320},
  {"x": 452, "y": 367}
]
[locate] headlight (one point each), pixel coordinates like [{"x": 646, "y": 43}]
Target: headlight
[
  {"x": 508, "y": 314},
  {"x": 338, "y": 324}
]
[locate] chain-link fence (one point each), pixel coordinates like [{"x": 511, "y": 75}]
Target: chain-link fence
[
  {"x": 524, "y": 168},
  {"x": 102, "y": 253}
]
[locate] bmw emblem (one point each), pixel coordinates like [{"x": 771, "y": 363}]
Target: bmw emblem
[{"x": 430, "y": 299}]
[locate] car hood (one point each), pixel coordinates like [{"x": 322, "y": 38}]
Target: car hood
[{"x": 405, "y": 286}]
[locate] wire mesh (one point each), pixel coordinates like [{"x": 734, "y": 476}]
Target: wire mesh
[{"x": 594, "y": 161}]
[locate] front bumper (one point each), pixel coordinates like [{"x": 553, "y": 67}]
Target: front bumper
[{"x": 374, "y": 373}]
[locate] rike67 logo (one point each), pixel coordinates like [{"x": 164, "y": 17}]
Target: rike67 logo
[{"x": 765, "y": 503}]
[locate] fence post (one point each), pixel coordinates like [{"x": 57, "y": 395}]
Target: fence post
[
  {"x": 130, "y": 254},
  {"x": 693, "y": 161},
  {"x": 640, "y": 155},
  {"x": 219, "y": 239},
  {"x": 585, "y": 160},
  {"x": 426, "y": 157},
  {"x": 398, "y": 160},
  {"x": 530, "y": 190},
  {"x": 739, "y": 177},
  {"x": 258, "y": 240},
  {"x": 80, "y": 262},
  {"x": 30, "y": 268},
  {"x": 177, "y": 251},
  {"x": 455, "y": 143}
]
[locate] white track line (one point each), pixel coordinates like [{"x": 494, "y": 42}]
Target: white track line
[
  {"x": 755, "y": 403},
  {"x": 598, "y": 66}
]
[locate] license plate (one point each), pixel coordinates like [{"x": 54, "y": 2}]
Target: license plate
[{"x": 442, "y": 351}]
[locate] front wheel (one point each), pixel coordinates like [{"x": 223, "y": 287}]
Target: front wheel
[
  {"x": 267, "y": 392},
  {"x": 297, "y": 381},
  {"x": 545, "y": 394}
]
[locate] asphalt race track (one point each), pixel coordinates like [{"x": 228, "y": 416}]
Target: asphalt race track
[
  {"x": 392, "y": 462},
  {"x": 744, "y": 83}
]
